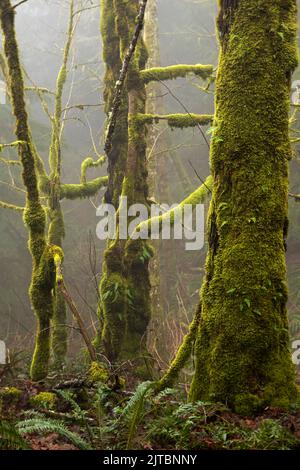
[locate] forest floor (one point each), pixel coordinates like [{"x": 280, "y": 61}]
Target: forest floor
[{"x": 90, "y": 410}]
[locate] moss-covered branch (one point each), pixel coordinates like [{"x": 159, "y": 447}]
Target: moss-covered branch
[
  {"x": 197, "y": 197},
  {"x": 90, "y": 163},
  {"x": 6, "y": 205},
  {"x": 55, "y": 154},
  {"x": 38, "y": 89},
  {"x": 11, "y": 162},
  {"x": 295, "y": 196},
  {"x": 179, "y": 121},
  {"x": 83, "y": 190},
  {"x": 175, "y": 71}
]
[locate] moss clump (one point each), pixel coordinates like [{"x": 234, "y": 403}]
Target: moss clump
[
  {"x": 98, "y": 373},
  {"x": 242, "y": 350},
  {"x": 47, "y": 400},
  {"x": 175, "y": 71},
  {"x": 10, "y": 395},
  {"x": 113, "y": 289}
]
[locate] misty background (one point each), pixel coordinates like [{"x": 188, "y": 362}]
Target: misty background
[{"x": 187, "y": 35}]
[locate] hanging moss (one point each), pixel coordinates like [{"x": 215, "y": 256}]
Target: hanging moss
[
  {"x": 242, "y": 350},
  {"x": 175, "y": 71}
]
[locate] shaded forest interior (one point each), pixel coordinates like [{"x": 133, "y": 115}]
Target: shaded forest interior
[{"x": 134, "y": 343}]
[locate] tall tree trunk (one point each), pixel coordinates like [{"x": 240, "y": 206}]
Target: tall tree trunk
[
  {"x": 43, "y": 270},
  {"x": 124, "y": 287},
  {"x": 242, "y": 349}
]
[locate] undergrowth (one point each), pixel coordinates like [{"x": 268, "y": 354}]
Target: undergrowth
[{"x": 109, "y": 419}]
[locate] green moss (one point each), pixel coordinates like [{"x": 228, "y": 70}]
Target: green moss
[
  {"x": 42, "y": 291},
  {"x": 112, "y": 59},
  {"x": 197, "y": 197},
  {"x": 59, "y": 343},
  {"x": 44, "y": 400},
  {"x": 176, "y": 71},
  {"x": 124, "y": 287},
  {"x": 90, "y": 163},
  {"x": 98, "y": 373},
  {"x": 10, "y": 395},
  {"x": 34, "y": 215},
  {"x": 83, "y": 190},
  {"x": 113, "y": 290},
  {"x": 242, "y": 349},
  {"x": 180, "y": 121}
]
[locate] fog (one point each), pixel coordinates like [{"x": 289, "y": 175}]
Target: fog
[{"x": 187, "y": 35}]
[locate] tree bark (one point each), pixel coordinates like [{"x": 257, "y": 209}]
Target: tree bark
[{"x": 242, "y": 351}]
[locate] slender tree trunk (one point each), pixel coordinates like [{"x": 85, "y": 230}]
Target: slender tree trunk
[
  {"x": 112, "y": 317},
  {"x": 242, "y": 350},
  {"x": 43, "y": 272},
  {"x": 124, "y": 287}
]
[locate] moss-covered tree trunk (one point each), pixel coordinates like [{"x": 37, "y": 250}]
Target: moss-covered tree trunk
[
  {"x": 125, "y": 288},
  {"x": 56, "y": 231},
  {"x": 43, "y": 271},
  {"x": 112, "y": 318},
  {"x": 242, "y": 349}
]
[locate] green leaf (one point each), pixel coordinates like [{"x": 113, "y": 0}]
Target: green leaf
[
  {"x": 210, "y": 131},
  {"x": 224, "y": 223},
  {"x": 231, "y": 291}
]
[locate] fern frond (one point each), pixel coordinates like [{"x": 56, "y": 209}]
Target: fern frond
[
  {"x": 46, "y": 426},
  {"x": 133, "y": 411},
  {"x": 10, "y": 438},
  {"x": 67, "y": 396}
]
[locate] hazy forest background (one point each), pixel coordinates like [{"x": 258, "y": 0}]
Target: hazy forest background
[
  {"x": 233, "y": 377},
  {"x": 187, "y": 35}
]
